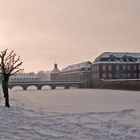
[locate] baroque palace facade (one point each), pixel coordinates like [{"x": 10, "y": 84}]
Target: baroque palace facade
[
  {"x": 116, "y": 66},
  {"x": 111, "y": 66}
]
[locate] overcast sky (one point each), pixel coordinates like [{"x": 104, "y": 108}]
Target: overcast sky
[{"x": 43, "y": 32}]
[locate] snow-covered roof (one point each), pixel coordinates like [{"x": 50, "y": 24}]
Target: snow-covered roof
[
  {"x": 119, "y": 54},
  {"x": 24, "y": 76},
  {"x": 78, "y": 66},
  {"x": 118, "y": 57}
]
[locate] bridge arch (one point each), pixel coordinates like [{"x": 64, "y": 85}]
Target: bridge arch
[
  {"x": 46, "y": 87},
  {"x": 31, "y": 87},
  {"x": 24, "y": 87},
  {"x": 16, "y": 87}
]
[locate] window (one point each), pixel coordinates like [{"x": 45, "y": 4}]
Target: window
[
  {"x": 124, "y": 67},
  {"x": 97, "y": 68},
  {"x": 128, "y": 75},
  {"x": 93, "y": 76},
  {"x": 110, "y": 67},
  {"x": 94, "y": 68},
  {"x": 139, "y": 67},
  {"x": 103, "y": 67},
  {"x": 135, "y": 67},
  {"x": 128, "y": 67},
  {"x": 97, "y": 76},
  {"x": 89, "y": 69},
  {"x": 117, "y": 67},
  {"x": 124, "y": 75},
  {"x": 135, "y": 75},
  {"x": 104, "y": 75},
  {"x": 110, "y": 75}
]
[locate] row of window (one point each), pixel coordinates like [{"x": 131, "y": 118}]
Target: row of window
[
  {"x": 104, "y": 76},
  {"x": 119, "y": 75},
  {"x": 118, "y": 67}
]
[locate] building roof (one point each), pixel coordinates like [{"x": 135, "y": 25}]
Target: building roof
[
  {"x": 78, "y": 66},
  {"x": 119, "y": 57},
  {"x": 24, "y": 77}
]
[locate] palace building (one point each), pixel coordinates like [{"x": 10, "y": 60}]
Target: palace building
[
  {"x": 77, "y": 72},
  {"x": 109, "y": 70},
  {"x": 116, "y": 70},
  {"x": 115, "y": 65}
]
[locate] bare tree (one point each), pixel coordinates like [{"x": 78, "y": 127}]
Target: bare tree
[{"x": 10, "y": 65}]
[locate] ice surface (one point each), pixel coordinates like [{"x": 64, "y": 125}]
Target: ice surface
[{"x": 76, "y": 114}]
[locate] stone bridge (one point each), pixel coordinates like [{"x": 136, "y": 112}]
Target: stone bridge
[{"x": 52, "y": 84}]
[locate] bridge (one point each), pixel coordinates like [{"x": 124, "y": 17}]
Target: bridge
[{"x": 39, "y": 84}]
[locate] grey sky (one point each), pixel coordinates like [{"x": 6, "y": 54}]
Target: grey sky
[{"x": 68, "y": 31}]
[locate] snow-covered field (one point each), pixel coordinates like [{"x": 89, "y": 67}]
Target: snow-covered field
[{"x": 76, "y": 114}]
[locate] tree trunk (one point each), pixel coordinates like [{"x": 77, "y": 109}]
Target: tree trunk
[
  {"x": 7, "y": 101},
  {"x": 5, "y": 90}
]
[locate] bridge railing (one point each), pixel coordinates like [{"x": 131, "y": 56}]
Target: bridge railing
[{"x": 41, "y": 82}]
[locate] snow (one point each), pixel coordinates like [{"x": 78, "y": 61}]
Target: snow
[
  {"x": 78, "y": 66},
  {"x": 118, "y": 57},
  {"x": 75, "y": 114},
  {"x": 120, "y": 54}
]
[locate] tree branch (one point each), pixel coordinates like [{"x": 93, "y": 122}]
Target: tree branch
[{"x": 10, "y": 63}]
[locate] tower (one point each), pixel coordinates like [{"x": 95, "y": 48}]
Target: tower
[{"x": 54, "y": 73}]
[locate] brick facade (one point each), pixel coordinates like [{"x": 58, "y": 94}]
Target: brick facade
[
  {"x": 77, "y": 72},
  {"x": 115, "y": 71}
]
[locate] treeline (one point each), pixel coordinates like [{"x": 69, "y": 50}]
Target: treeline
[{"x": 44, "y": 75}]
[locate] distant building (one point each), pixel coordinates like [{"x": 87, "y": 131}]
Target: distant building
[
  {"x": 54, "y": 73},
  {"x": 109, "y": 70},
  {"x": 24, "y": 78},
  {"x": 77, "y": 72},
  {"x": 115, "y": 65}
]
